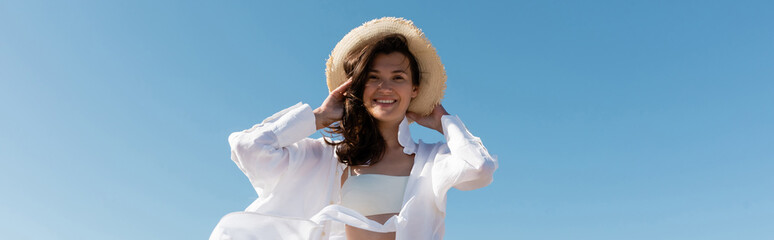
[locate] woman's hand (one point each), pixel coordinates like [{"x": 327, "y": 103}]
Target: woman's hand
[
  {"x": 432, "y": 121},
  {"x": 332, "y": 109}
]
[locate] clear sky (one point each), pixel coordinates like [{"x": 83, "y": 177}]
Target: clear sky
[{"x": 611, "y": 119}]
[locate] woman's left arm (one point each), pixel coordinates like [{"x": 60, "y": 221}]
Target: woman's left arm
[{"x": 463, "y": 162}]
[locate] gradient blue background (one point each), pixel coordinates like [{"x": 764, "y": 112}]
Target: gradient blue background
[{"x": 611, "y": 119}]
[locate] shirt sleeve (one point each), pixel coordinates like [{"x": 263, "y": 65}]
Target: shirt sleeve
[
  {"x": 276, "y": 146},
  {"x": 463, "y": 162}
]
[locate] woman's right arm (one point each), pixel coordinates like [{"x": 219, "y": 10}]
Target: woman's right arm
[
  {"x": 272, "y": 147},
  {"x": 279, "y": 144}
]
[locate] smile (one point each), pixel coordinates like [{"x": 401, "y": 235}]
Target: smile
[{"x": 385, "y": 101}]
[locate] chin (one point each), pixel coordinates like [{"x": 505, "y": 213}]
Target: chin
[{"x": 388, "y": 117}]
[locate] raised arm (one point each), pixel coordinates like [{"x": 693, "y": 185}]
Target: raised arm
[
  {"x": 462, "y": 162},
  {"x": 279, "y": 144},
  {"x": 275, "y": 146}
]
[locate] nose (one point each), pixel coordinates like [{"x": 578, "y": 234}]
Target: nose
[{"x": 384, "y": 85}]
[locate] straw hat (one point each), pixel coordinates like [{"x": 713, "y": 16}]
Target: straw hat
[{"x": 433, "y": 76}]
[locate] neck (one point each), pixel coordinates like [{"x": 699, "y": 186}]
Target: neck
[{"x": 389, "y": 131}]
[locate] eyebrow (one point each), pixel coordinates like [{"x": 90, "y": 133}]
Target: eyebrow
[{"x": 396, "y": 71}]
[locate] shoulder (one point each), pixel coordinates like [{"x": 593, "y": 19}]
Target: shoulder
[
  {"x": 319, "y": 144},
  {"x": 310, "y": 153}
]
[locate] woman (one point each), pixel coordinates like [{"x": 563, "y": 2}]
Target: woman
[{"x": 376, "y": 182}]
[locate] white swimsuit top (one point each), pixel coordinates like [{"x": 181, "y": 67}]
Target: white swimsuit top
[{"x": 372, "y": 194}]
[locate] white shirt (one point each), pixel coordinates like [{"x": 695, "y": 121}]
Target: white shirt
[{"x": 298, "y": 180}]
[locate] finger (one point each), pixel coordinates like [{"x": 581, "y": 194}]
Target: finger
[
  {"x": 439, "y": 109},
  {"x": 343, "y": 88},
  {"x": 412, "y": 116}
]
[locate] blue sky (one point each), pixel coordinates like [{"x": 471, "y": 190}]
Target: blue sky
[{"x": 611, "y": 119}]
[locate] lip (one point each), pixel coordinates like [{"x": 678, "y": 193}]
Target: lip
[{"x": 376, "y": 102}]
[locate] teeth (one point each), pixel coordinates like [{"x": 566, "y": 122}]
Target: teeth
[{"x": 385, "y": 101}]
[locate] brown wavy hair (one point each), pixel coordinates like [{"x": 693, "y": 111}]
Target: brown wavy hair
[{"x": 362, "y": 143}]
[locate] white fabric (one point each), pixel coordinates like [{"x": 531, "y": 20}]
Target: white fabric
[
  {"x": 372, "y": 194},
  {"x": 298, "y": 181}
]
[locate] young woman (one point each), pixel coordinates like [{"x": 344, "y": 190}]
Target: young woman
[{"x": 375, "y": 182}]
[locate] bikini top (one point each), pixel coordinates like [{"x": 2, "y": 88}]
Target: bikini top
[{"x": 372, "y": 194}]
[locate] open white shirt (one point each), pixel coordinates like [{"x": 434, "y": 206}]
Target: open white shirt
[{"x": 298, "y": 180}]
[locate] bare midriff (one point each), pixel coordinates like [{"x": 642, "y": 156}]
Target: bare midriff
[{"x": 354, "y": 233}]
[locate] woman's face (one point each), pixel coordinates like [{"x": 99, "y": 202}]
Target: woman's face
[{"x": 389, "y": 89}]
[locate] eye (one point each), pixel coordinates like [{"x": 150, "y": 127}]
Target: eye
[
  {"x": 399, "y": 78},
  {"x": 372, "y": 77}
]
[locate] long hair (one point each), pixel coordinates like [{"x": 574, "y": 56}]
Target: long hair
[{"x": 362, "y": 143}]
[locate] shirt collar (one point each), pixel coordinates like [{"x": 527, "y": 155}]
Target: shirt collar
[{"x": 404, "y": 137}]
